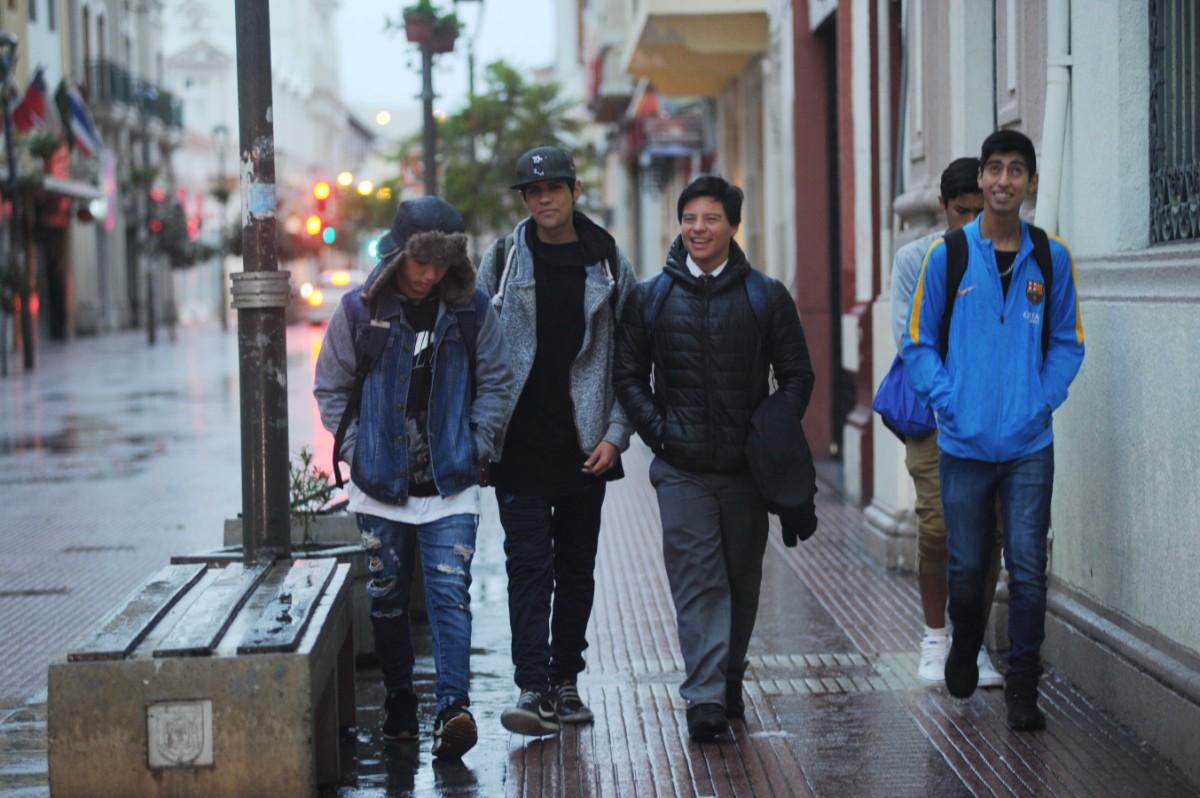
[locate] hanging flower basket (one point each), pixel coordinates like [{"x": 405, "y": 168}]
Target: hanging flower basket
[{"x": 418, "y": 26}]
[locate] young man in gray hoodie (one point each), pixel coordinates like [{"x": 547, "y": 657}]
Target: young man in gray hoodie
[{"x": 559, "y": 287}]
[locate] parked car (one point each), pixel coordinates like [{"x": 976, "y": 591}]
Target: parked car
[{"x": 316, "y": 301}]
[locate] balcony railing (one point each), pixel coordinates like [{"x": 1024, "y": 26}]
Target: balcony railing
[{"x": 111, "y": 84}]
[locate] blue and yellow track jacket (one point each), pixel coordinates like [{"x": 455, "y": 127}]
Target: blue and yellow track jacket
[{"x": 995, "y": 393}]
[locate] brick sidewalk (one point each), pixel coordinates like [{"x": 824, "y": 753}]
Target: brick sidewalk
[{"x": 833, "y": 705}]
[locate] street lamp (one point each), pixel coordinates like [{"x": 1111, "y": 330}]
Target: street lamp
[
  {"x": 8, "y": 57},
  {"x": 220, "y": 139}
]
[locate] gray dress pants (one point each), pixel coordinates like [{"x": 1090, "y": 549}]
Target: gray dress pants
[{"x": 714, "y": 537}]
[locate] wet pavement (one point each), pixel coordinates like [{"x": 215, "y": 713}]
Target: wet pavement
[{"x": 115, "y": 456}]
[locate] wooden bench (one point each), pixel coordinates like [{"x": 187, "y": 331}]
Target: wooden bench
[{"x": 209, "y": 681}]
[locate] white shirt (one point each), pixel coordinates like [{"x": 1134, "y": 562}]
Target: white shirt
[
  {"x": 418, "y": 509},
  {"x": 698, "y": 272}
]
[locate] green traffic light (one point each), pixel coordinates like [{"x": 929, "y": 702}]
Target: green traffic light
[{"x": 329, "y": 235}]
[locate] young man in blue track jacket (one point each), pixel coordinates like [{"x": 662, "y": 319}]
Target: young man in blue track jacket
[{"x": 994, "y": 396}]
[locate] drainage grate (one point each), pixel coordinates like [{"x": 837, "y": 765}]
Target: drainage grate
[
  {"x": 90, "y": 549},
  {"x": 35, "y": 591}
]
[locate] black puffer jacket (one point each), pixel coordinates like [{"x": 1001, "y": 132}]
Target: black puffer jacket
[{"x": 709, "y": 364}]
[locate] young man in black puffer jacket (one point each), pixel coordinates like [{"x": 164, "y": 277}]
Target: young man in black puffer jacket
[{"x": 690, "y": 383}]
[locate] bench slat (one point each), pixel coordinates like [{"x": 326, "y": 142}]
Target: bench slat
[
  {"x": 283, "y": 621},
  {"x": 127, "y": 625},
  {"x": 200, "y": 629}
]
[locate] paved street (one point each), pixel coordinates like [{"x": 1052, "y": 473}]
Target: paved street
[{"x": 114, "y": 456}]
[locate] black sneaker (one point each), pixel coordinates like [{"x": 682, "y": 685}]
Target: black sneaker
[
  {"x": 400, "y": 717},
  {"x": 706, "y": 722},
  {"x": 1020, "y": 695},
  {"x": 533, "y": 715},
  {"x": 735, "y": 702},
  {"x": 568, "y": 705},
  {"x": 962, "y": 667},
  {"x": 454, "y": 732}
]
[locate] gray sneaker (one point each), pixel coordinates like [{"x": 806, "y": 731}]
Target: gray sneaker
[
  {"x": 568, "y": 705},
  {"x": 533, "y": 715}
]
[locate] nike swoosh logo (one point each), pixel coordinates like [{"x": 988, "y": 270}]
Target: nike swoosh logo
[{"x": 966, "y": 290}]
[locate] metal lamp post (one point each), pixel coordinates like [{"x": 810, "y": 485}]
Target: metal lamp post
[
  {"x": 8, "y": 57},
  {"x": 220, "y": 139}
]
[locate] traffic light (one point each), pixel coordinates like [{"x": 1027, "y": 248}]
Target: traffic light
[
  {"x": 313, "y": 225},
  {"x": 321, "y": 192}
]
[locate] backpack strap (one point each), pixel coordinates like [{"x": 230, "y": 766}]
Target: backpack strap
[
  {"x": 1041, "y": 254},
  {"x": 956, "y": 267},
  {"x": 369, "y": 342},
  {"x": 660, "y": 286},
  {"x": 756, "y": 292},
  {"x": 502, "y": 252}
]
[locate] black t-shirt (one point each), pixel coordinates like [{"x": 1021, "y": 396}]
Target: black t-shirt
[
  {"x": 1004, "y": 262},
  {"x": 422, "y": 317},
  {"x": 541, "y": 448}
]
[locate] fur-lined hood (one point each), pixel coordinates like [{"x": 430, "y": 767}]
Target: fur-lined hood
[{"x": 456, "y": 288}]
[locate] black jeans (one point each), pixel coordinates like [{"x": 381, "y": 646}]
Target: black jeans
[{"x": 550, "y": 549}]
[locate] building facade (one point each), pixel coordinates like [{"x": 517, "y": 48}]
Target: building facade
[{"x": 838, "y": 117}]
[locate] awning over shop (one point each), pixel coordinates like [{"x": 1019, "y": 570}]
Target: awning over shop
[{"x": 693, "y": 48}]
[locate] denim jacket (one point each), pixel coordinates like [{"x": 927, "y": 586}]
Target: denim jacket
[{"x": 462, "y": 433}]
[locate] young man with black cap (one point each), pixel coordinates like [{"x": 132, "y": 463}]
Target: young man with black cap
[
  {"x": 420, "y": 431},
  {"x": 559, "y": 287}
]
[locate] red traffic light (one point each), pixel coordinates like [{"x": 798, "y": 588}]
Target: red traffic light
[
  {"x": 321, "y": 190},
  {"x": 313, "y": 225}
]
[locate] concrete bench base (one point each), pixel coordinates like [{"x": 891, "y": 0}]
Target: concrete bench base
[{"x": 243, "y": 718}]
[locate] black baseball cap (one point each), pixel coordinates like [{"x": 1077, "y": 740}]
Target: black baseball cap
[{"x": 544, "y": 163}]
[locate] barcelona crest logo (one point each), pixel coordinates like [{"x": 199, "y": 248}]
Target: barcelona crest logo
[{"x": 1035, "y": 291}]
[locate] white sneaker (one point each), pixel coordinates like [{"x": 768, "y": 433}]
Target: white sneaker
[
  {"x": 934, "y": 650},
  {"x": 988, "y": 675}
]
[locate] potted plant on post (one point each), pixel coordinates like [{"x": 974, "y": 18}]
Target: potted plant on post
[
  {"x": 445, "y": 32},
  {"x": 419, "y": 21}
]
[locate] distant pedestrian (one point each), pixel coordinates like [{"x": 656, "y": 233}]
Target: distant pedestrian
[
  {"x": 560, "y": 282},
  {"x": 1013, "y": 346},
  {"x": 961, "y": 200},
  {"x": 690, "y": 382},
  {"x": 420, "y": 431}
]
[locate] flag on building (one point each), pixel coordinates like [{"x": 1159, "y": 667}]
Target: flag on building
[
  {"x": 81, "y": 130},
  {"x": 33, "y": 112}
]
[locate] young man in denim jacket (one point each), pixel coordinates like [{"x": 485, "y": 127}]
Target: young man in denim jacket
[{"x": 426, "y": 427}]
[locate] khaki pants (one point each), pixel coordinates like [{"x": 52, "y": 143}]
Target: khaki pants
[{"x": 921, "y": 459}]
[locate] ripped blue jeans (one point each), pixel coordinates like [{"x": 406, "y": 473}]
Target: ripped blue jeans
[{"x": 446, "y": 547}]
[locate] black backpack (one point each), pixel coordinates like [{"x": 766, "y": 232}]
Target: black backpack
[
  {"x": 368, "y": 348},
  {"x": 956, "y": 267}
]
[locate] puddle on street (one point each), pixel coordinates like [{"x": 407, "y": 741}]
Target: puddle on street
[{"x": 87, "y": 447}]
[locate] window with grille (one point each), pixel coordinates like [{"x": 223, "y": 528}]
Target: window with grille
[{"x": 1174, "y": 121}]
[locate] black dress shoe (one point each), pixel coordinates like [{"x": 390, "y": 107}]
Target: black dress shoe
[{"x": 706, "y": 722}]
